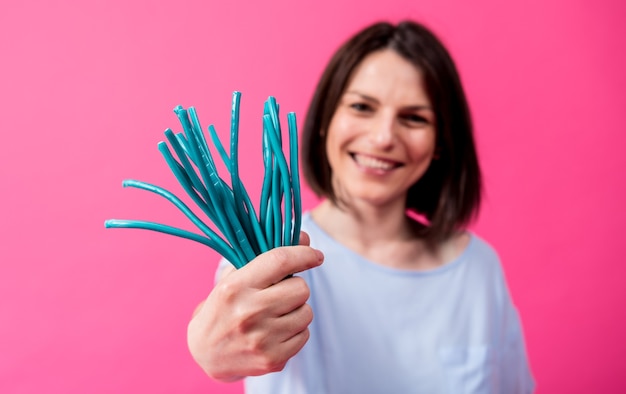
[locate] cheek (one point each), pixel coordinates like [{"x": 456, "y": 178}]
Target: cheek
[{"x": 423, "y": 145}]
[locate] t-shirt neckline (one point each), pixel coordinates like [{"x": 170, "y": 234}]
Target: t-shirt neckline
[{"x": 391, "y": 270}]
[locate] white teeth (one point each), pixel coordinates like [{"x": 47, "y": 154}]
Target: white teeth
[{"x": 371, "y": 162}]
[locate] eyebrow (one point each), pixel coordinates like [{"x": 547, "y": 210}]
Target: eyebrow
[{"x": 374, "y": 100}]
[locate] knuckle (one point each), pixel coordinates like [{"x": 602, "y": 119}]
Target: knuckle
[
  {"x": 307, "y": 314},
  {"x": 273, "y": 364},
  {"x": 267, "y": 360},
  {"x": 299, "y": 290},
  {"x": 246, "y": 321},
  {"x": 306, "y": 334},
  {"x": 281, "y": 256},
  {"x": 227, "y": 291},
  {"x": 302, "y": 288},
  {"x": 255, "y": 345},
  {"x": 254, "y": 348}
]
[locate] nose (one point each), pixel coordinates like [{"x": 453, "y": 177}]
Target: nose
[{"x": 382, "y": 133}]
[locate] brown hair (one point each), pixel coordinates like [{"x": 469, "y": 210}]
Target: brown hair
[{"x": 449, "y": 193}]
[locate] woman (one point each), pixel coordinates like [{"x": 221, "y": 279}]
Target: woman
[{"x": 400, "y": 305}]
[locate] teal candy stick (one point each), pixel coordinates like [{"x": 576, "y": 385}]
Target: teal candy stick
[
  {"x": 244, "y": 206},
  {"x": 181, "y": 152},
  {"x": 267, "y": 186},
  {"x": 280, "y": 188},
  {"x": 256, "y": 226},
  {"x": 276, "y": 191},
  {"x": 192, "y": 144},
  {"x": 267, "y": 200},
  {"x": 200, "y": 156},
  {"x": 284, "y": 173},
  {"x": 180, "y": 205},
  {"x": 183, "y": 118},
  {"x": 199, "y": 136},
  {"x": 182, "y": 141},
  {"x": 239, "y": 203},
  {"x": 184, "y": 180},
  {"x": 227, "y": 253},
  {"x": 189, "y": 152},
  {"x": 295, "y": 177},
  {"x": 272, "y": 111},
  {"x": 278, "y": 196},
  {"x": 218, "y": 144},
  {"x": 174, "y": 200},
  {"x": 276, "y": 200}
]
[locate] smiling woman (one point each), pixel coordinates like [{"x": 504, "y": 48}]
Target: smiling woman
[
  {"x": 399, "y": 306},
  {"x": 449, "y": 192}
]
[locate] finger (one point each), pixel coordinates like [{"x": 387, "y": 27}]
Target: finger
[
  {"x": 291, "y": 346},
  {"x": 273, "y": 266},
  {"x": 294, "y": 322},
  {"x": 289, "y": 334},
  {"x": 275, "y": 358},
  {"x": 285, "y": 296}
]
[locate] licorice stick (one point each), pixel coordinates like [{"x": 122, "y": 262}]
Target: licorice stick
[{"x": 295, "y": 178}]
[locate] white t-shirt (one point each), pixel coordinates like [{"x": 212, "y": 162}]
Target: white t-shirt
[{"x": 378, "y": 330}]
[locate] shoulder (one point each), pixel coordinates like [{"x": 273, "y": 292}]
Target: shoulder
[
  {"x": 481, "y": 262},
  {"x": 481, "y": 249},
  {"x": 478, "y": 246}
]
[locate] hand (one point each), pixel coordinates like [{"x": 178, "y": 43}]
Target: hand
[{"x": 254, "y": 320}]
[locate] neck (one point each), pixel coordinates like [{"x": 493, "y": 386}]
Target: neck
[
  {"x": 364, "y": 225},
  {"x": 384, "y": 235}
]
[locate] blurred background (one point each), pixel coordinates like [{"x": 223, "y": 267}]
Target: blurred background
[{"x": 88, "y": 87}]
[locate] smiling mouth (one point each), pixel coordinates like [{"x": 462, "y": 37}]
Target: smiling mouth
[{"x": 375, "y": 163}]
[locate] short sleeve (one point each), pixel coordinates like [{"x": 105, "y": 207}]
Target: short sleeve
[{"x": 516, "y": 377}]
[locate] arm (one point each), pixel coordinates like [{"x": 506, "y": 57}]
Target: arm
[{"x": 254, "y": 320}]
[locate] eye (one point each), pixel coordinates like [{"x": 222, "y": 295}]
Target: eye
[
  {"x": 413, "y": 119},
  {"x": 361, "y": 107}
]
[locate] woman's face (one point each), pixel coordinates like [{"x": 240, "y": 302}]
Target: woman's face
[{"x": 381, "y": 139}]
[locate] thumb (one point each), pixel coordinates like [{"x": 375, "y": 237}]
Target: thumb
[{"x": 273, "y": 266}]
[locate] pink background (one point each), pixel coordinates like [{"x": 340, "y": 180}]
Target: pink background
[{"x": 87, "y": 88}]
